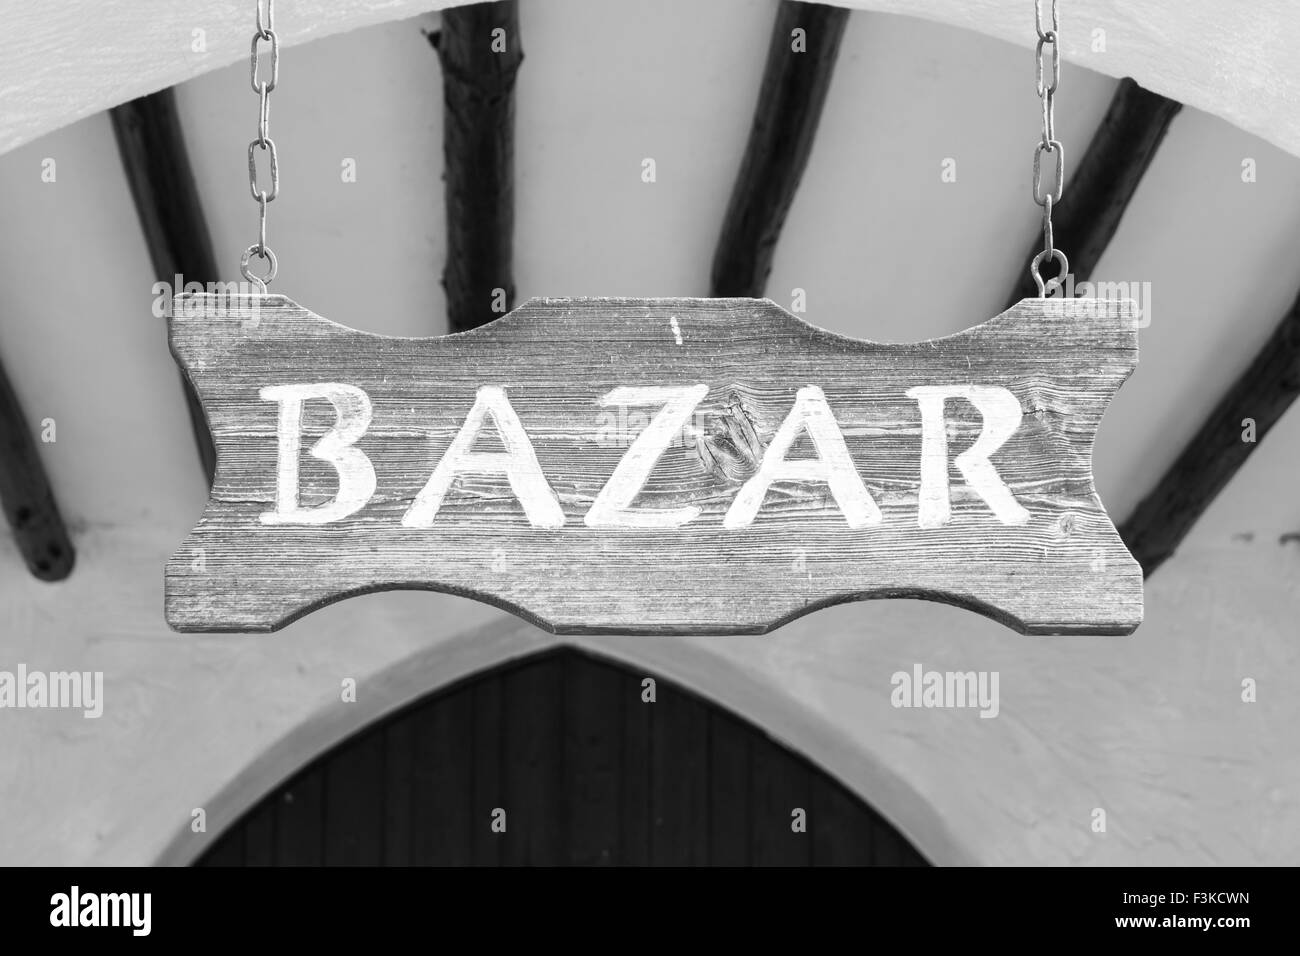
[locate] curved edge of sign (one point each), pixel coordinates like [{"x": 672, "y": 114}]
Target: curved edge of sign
[{"x": 1119, "y": 334}]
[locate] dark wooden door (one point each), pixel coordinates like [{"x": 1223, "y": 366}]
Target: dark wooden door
[{"x": 586, "y": 772}]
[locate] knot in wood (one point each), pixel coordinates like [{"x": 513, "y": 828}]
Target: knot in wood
[{"x": 731, "y": 448}]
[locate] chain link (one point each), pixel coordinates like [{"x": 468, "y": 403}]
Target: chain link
[
  {"x": 265, "y": 33},
  {"x": 1049, "y": 41}
]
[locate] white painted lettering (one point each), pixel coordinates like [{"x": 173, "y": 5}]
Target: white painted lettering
[
  {"x": 518, "y": 463},
  {"x": 356, "y": 473},
  {"x": 833, "y": 466},
  {"x": 1002, "y": 414},
  {"x": 613, "y": 506}
]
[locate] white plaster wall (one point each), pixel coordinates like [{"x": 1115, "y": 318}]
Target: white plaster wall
[
  {"x": 63, "y": 60},
  {"x": 1149, "y": 727}
]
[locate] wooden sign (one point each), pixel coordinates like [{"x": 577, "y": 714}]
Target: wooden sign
[{"x": 682, "y": 466}]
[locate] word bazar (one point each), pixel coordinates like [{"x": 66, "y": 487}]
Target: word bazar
[
  {"x": 654, "y": 466},
  {"x": 613, "y": 507}
]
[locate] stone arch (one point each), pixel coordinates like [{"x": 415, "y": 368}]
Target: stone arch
[
  {"x": 503, "y": 640},
  {"x": 580, "y": 769}
]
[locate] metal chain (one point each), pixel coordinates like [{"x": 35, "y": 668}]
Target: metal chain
[
  {"x": 1049, "y": 145},
  {"x": 265, "y": 32}
]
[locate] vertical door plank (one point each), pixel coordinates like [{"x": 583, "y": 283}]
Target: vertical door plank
[
  {"x": 636, "y": 776},
  {"x": 228, "y": 850},
  {"x": 533, "y": 738},
  {"x": 680, "y": 798},
  {"x": 354, "y": 803},
  {"x": 780, "y": 783},
  {"x": 259, "y": 835},
  {"x": 729, "y": 790},
  {"x": 487, "y": 783},
  {"x": 300, "y": 818},
  {"x": 399, "y": 790},
  {"x": 593, "y": 731},
  {"x": 841, "y": 831},
  {"x": 443, "y": 777},
  {"x": 885, "y": 848}
]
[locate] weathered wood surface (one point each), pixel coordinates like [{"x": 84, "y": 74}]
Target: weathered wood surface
[{"x": 688, "y": 553}]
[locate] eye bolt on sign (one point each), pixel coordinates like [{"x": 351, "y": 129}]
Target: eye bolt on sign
[{"x": 757, "y": 468}]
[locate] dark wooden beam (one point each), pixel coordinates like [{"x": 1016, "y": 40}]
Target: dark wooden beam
[
  {"x": 478, "y": 84},
  {"x": 1263, "y": 392},
  {"x": 1100, "y": 186},
  {"x": 789, "y": 108},
  {"x": 25, "y": 492},
  {"x": 157, "y": 166}
]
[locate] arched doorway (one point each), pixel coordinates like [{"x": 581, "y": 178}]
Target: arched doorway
[{"x": 586, "y": 772}]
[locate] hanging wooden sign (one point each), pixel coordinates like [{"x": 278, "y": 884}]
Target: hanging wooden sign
[{"x": 683, "y": 466}]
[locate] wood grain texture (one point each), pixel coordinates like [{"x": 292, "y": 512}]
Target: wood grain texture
[
  {"x": 1064, "y": 570},
  {"x": 789, "y": 108}
]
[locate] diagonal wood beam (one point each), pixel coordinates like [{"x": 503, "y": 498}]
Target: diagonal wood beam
[
  {"x": 157, "y": 166},
  {"x": 479, "y": 67},
  {"x": 1101, "y": 185},
  {"x": 25, "y": 492},
  {"x": 790, "y": 101},
  {"x": 1263, "y": 392}
]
